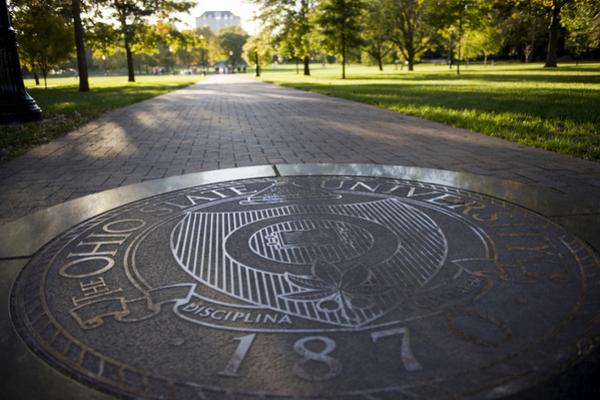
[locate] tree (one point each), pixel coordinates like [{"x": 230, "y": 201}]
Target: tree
[
  {"x": 131, "y": 16},
  {"x": 101, "y": 37},
  {"x": 45, "y": 34},
  {"x": 288, "y": 23},
  {"x": 456, "y": 17},
  {"x": 163, "y": 44},
  {"x": 485, "y": 41},
  {"x": 153, "y": 45},
  {"x": 82, "y": 67},
  {"x": 555, "y": 7},
  {"x": 258, "y": 51},
  {"x": 411, "y": 31},
  {"x": 340, "y": 26},
  {"x": 232, "y": 40},
  {"x": 376, "y": 30},
  {"x": 103, "y": 40},
  {"x": 187, "y": 45},
  {"x": 209, "y": 49},
  {"x": 523, "y": 26},
  {"x": 582, "y": 20}
]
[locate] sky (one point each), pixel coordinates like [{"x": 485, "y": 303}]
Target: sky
[{"x": 242, "y": 8}]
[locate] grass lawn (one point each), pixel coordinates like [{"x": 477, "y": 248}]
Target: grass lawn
[
  {"x": 557, "y": 110},
  {"x": 65, "y": 108}
]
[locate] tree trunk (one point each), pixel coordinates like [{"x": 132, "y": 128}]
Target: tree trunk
[
  {"x": 45, "y": 75},
  {"x": 343, "y": 57},
  {"x": 84, "y": 85},
  {"x": 411, "y": 60},
  {"x": 306, "y": 65},
  {"x": 304, "y": 29},
  {"x": 458, "y": 59},
  {"x": 130, "y": 71},
  {"x": 380, "y": 62},
  {"x": 451, "y": 52},
  {"x": 460, "y": 38},
  {"x": 36, "y": 77},
  {"x": 257, "y": 66},
  {"x": 531, "y": 46},
  {"x": 553, "y": 40}
]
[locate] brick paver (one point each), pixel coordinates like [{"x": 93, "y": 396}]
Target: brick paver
[{"x": 230, "y": 121}]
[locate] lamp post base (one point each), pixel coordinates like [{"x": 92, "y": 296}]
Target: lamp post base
[{"x": 19, "y": 110}]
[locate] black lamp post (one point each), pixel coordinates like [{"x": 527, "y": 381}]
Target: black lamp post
[{"x": 16, "y": 105}]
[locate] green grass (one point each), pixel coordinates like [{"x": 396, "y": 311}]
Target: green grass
[
  {"x": 557, "y": 110},
  {"x": 65, "y": 108}
]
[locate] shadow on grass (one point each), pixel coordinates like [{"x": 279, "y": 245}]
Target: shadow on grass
[
  {"x": 561, "y": 120},
  {"x": 543, "y": 102},
  {"x": 65, "y": 108},
  {"x": 99, "y": 100},
  {"x": 493, "y": 76}
]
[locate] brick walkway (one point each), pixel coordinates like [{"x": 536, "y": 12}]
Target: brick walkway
[{"x": 229, "y": 121}]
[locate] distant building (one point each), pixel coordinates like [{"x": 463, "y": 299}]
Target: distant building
[{"x": 218, "y": 20}]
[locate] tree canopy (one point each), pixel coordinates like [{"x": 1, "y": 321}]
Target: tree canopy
[
  {"x": 44, "y": 33},
  {"x": 232, "y": 41},
  {"x": 132, "y": 16},
  {"x": 142, "y": 34},
  {"x": 288, "y": 25},
  {"x": 340, "y": 25}
]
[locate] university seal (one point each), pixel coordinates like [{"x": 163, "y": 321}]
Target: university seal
[{"x": 309, "y": 287}]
